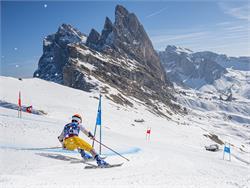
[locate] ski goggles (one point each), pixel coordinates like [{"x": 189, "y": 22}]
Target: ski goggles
[{"x": 76, "y": 119}]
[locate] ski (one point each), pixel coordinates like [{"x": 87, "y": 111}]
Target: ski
[
  {"x": 82, "y": 160},
  {"x": 86, "y": 160},
  {"x": 108, "y": 166}
]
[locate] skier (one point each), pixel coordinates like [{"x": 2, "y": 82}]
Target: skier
[
  {"x": 70, "y": 140},
  {"x": 29, "y": 109}
]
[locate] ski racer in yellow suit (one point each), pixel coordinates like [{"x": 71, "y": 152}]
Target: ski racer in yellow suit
[{"x": 70, "y": 140}]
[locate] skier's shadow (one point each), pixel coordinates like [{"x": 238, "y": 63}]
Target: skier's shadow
[{"x": 57, "y": 156}]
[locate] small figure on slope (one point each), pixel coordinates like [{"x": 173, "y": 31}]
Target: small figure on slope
[{"x": 70, "y": 140}]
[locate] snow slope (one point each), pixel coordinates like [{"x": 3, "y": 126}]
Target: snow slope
[
  {"x": 237, "y": 80},
  {"x": 174, "y": 157}
]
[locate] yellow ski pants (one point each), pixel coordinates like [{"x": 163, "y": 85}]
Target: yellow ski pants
[{"x": 75, "y": 142}]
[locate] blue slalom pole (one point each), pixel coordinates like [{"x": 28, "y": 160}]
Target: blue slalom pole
[{"x": 98, "y": 122}]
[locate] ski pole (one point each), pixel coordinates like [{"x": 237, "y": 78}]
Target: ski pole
[
  {"x": 111, "y": 149},
  {"x": 56, "y": 147},
  {"x": 94, "y": 136}
]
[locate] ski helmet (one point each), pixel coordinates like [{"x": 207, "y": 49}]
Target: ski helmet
[{"x": 77, "y": 118}]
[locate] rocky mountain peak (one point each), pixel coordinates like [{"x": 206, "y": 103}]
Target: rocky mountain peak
[
  {"x": 126, "y": 37},
  {"x": 108, "y": 26},
  {"x": 65, "y": 28},
  {"x": 67, "y": 34},
  {"x": 93, "y": 39},
  {"x": 170, "y": 48},
  {"x": 177, "y": 49},
  {"x": 130, "y": 39},
  {"x": 55, "y": 52},
  {"x": 120, "y": 11},
  {"x": 106, "y": 37},
  {"x": 122, "y": 57}
]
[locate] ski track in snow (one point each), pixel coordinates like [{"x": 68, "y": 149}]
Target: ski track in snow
[
  {"x": 60, "y": 150},
  {"x": 174, "y": 156}
]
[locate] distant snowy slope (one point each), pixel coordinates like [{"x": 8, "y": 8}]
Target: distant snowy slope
[
  {"x": 208, "y": 102},
  {"x": 235, "y": 80}
]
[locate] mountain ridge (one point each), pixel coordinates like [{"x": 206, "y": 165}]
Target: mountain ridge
[
  {"x": 196, "y": 69},
  {"x": 122, "y": 56}
]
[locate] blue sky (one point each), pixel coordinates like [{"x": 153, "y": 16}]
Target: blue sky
[{"x": 219, "y": 26}]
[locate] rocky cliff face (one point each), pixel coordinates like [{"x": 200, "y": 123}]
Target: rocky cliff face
[
  {"x": 127, "y": 38},
  {"x": 121, "y": 57},
  {"x": 190, "y": 69},
  {"x": 55, "y": 53}
]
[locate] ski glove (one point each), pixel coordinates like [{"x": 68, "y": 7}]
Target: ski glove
[
  {"x": 61, "y": 141},
  {"x": 91, "y": 135}
]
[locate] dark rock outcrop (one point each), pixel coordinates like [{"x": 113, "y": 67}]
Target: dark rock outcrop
[
  {"x": 127, "y": 37},
  {"x": 93, "y": 39},
  {"x": 55, "y": 53}
]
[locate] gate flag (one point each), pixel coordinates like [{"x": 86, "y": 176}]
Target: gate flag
[
  {"x": 226, "y": 149},
  {"x": 19, "y": 100},
  {"x": 19, "y": 110},
  {"x": 99, "y": 113}
]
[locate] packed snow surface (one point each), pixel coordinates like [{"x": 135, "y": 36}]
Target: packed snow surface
[{"x": 173, "y": 157}]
